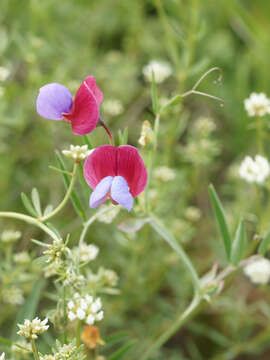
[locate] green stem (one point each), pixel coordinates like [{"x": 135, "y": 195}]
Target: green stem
[
  {"x": 169, "y": 238},
  {"x": 78, "y": 335},
  {"x": 260, "y": 136},
  {"x": 65, "y": 314},
  {"x": 179, "y": 322},
  {"x": 30, "y": 220},
  {"x": 34, "y": 349},
  {"x": 90, "y": 221},
  {"x": 68, "y": 193}
]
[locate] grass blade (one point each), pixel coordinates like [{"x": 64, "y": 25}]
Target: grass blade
[
  {"x": 264, "y": 244},
  {"x": 221, "y": 220},
  {"x": 239, "y": 244},
  {"x": 122, "y": 351}
]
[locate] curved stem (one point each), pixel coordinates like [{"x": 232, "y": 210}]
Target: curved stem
[
  {"x": 68, "y": 193},
  {"x": 30, "y": 220},
  {"x": 168, "y": 237},
  {"x": 90, "y": 221},
  {"x": 179, "y": 322}
]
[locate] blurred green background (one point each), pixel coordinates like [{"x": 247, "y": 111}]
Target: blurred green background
[{"x": 49, "y": 41}]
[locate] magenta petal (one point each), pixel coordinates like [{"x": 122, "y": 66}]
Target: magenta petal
[
  {"x": 85, "y": 111},
  {"x": 101, "y": 163},
  {"x": 53, "y": 100},
  {"x": 91, "y": 83},
  {"x": 131, "y": 167},
  {"x": 100, "y": 194},
  {"x": 120, "y": 193}
]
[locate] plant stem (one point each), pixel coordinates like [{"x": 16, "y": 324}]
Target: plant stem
[
  {"x": 90, "y": 221},
  {"x": 260, "y": 136},
  {"x": 78, "y": 335},
  {"x": 30, "y": 220},
  {"x": 65, "y": 314},
  {"x": 34, "y": 349},
  {"x": 179, "y": 322},
  {"x": 68, "y": 193},
  {"x": 168, "y": 237}
]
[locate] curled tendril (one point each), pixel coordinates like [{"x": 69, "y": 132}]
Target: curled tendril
[{"x": 194, "y": 91}]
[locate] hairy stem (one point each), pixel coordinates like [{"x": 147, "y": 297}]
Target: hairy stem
[
  {"x": 67, "y": 196},
  {"x": 30, "y": 220}
]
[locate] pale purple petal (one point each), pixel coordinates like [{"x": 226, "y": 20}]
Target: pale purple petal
[
  {"x": 100, "y": 194},
  {"x": 53, "y": 100},
  {"x": 120, "y": 192}
]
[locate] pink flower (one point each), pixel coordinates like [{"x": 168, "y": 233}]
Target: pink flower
[
  {"x": 116, "y": 172},
  {"x": 55, "y": 102}
]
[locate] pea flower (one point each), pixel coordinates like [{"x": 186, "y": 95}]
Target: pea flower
[
  {"x": 118, "y": 172},
  {"x": 55, "y": 102}
]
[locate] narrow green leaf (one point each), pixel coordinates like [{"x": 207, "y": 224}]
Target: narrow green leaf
[
  {"x": 53, "y": 228},
  {"x": 74, "y": 197},
  {"x": 239, "y": 244},
  {"x": 264, "y": 245},
  {"x": 176, "y": 99},
  {"x": 48, "y": 210},
  {"x": 115, "y": 338},
  {"x": 28, "y": 206},
  {"x": 39, "y": 243},
  {"x": 122, "y": 351},
  {"x": 29, "y": 308},
  {"x": 59, "y": 170},
  {"x": 154, "y": 94},
  {"x": 36, "y": 201},
  {"x": 221, "y": 220}
]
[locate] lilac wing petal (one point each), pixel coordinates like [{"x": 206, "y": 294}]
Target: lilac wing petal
[
  {"x": 100, "y": 194},
  {"x": 120, "y": 192},
  {"x": 53, "y": 100}
]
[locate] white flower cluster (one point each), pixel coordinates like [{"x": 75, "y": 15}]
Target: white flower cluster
[
  {"x": 55, "y": 251},
  {"x": 4, "y": 73},
  {"x": 77, "y": 152},
  {"x": 10, "y": 236},
  {"x": 21, "y": 347},
  {"x": 254, "y": 171},
  {"x": 86, "y": 252},
  {"x": 163, "y": 173},
  {"x": 31, "y": 329},
  {"x": 257, "y": 104},
  {"x": 13, "y": 295},
  {"x": 258, "y": 271},
  {"x": 113, "y": 107},
  {"x": 65, "y": 352},
  {"x": 22, "y": 258},
  {"x": 85, "y": 308},
  {"x": 161, "y": 69}
]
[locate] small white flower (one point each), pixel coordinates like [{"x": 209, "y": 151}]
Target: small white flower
[
  {"x": 77, "y": 153},
  {"x": 71, "y": 315},
  {"x": 96, "y": 306},
  {"x": 254, "y": 171},
  {"x": 70, "y": 305},
  {"x": 2, "y": 356},
  {"x": 161, "y": 69},
  {"x": 4, "y": 73},
  {"x": 90, "y": 320},
  {"x": 99, "y": 316},
  {"x": 31, "y": 329},
  {"x": 80, "y": 314},
  {"x": 22, "y": 258},
  {"x": 258, "y": 271},
  {"x": 13, "y": 295},
  {"x": 86, "y": 252},
  {"x": 257, "y": 104},
  {"x": 147, "y": 135},
  {"x": 163, "y": 173},
  {"x": 113, "y": 107}
]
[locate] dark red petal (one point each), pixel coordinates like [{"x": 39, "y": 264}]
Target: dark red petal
[
  {"x": 131, "y": 167},
  {"x": 91, "y": 82},
  {"x": 99, "y": 164},
  {"x": 85, "y": 111}
]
